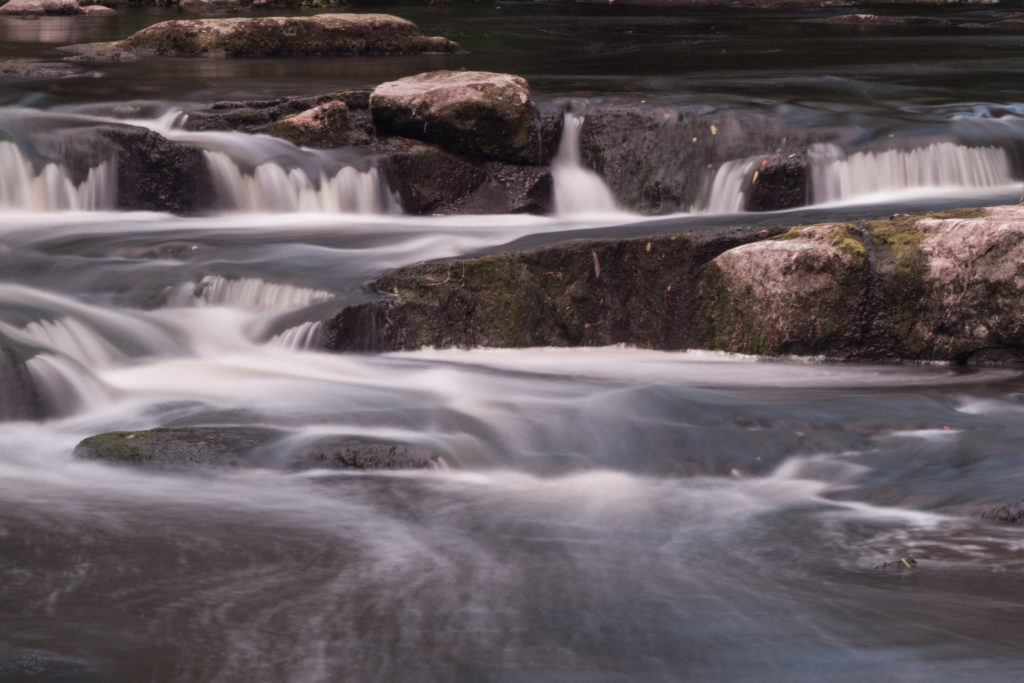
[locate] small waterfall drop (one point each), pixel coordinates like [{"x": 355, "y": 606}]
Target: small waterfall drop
[
  {"x": 65, "y": 386},
  {"x": 726, "y": 194},
  {"x": 577, "y": 189},
  {"x": 248, "y": 294},
  {"x": 837, "y": 176},
  {"x": 22, "y": 188},
  {"x": 273, "y": 188},
  {"x": 297, "y": 338},
  {"x": 73, "y": 339}
]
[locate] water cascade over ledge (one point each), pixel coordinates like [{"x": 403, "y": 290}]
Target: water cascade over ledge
[
  {"x": 50, "y": 188},
  {"x": 578, "y": 190}
]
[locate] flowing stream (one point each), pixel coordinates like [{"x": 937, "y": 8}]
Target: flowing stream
[{"x": 597, "y": 514}]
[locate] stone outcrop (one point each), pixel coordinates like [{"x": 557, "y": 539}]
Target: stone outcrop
[
  {"x": 326, "y": 125},
  {"x": 662, "y": 159},
  {"x": 480, "y": 115},
  {"x": 944, "y": 287},
  {"x": 221, "y": 447},
  {"x": 322, "y": 34},
  {"x": 430, "y": 180},
  {"x": 40, "y": 7}
]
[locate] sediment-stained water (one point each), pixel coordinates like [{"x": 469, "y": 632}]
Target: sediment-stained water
[{"x": 599, "y": 514}]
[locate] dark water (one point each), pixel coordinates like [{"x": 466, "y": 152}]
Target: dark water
[{"x": 604, "y": 514}]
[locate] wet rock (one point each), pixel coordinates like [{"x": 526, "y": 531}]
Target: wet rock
[
  {"x": 27, "y": 68},
  {"x": 580, "y": 294},
  {"x": 798, "y": 293},
  {"x": 30, "y": 664},
  {"x": 256, "y": 116},
  {"x": 98, "y": 10},
  {"x": 943, "y": 287},
  {"x": 156, "y": 174},
  {"x": 98, "y": 53},
  {"x": 480, "y": 115},
  {"x": 1008, "y": 513},
  {"x": 327, "y": 125},
  {"x": 778, "y": 183},
  {"x": 225, "y": 447},
  {"x": 40, "y": 7},
  {"x": 19, "y": 399},
  {"x": 904, "y": 564},
  {"x": 663, "y": 159},
  {"x": 322, "y": 34},
  {"x": 430, "y": 180}
]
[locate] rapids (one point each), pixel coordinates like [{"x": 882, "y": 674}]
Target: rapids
[{"x": 601, "y": 514}]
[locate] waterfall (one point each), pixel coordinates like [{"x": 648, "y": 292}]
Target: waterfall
[
  {"x": 73, "y": 339},
  {"x": 22, "y": 188},
  {"x": 273, "y": 188},
  {"x": 63, "y": 385},
  {"x": 727, "y": 194},
  {"x": 578, "y": 190},
  {"x": 837, "y": 176},
  {"x": 248, "y": 294},
  {"x": 299, "y": 337}
]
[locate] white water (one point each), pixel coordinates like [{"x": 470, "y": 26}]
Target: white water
[
  {"x": 23, "y": 188},
  {"x": 271, "y": 188},
  {"x": 727, "y": 187},
  {"x": 942, "y": 166},
  {"x": 297, "y": 338},
  {"x": 250, "y": 294},
  {"x": 578, "y": 190}
]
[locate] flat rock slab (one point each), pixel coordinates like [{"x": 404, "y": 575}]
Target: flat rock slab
[
  {"x": 481, "y": 115},
  {"x": 322, "y": 34},
  {"x": 225, "y": 447}
]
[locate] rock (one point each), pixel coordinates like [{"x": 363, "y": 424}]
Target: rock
[
  {"x": 780, "y": 183},
  {"x": 326, "y": 125},
  {"x": 904, "y": 564},
  {"x": 219, "y": 447},
  {"x": 876, "y": 20},
  {"x": 480, "y": 115},
  {"x": 28, "y": 68},
  {"x": 152, "y": 172},
  {"x": 256, "y": 116},
  {"x": 431, "y": 180},
  {"x": 1008, "y": 513},
  {"x": 322, "y": 34},
  {"x": 98, "y": 10},
  {"x": 30, "y": 664},
  {"x": 19, "y": 399},
  {"x": 40, "y": 7},
  {"x": 796, "y": 294},
  {"x": 632, "y": 291},
  {"x": 943, "y": 287},
  {"x": 661, "y": 159}
]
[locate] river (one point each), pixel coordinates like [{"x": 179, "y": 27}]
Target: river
[{"x": 604, "y": 514}]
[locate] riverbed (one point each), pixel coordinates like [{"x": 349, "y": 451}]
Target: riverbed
[{"x": 601, "y": 514}]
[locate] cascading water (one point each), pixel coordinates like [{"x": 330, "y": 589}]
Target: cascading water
[
  {"x": 577, "y": 189},
  {"x": 726, "y": 195},
  {"x": 272, "y": 188},
  {"x": 250, "y": 294},
  {"x": 23, "y": 188},
  {"x": 943, "y": 166},
  {"x": 302, "y": 336}
]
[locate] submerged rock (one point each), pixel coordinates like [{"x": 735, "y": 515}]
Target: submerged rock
[
  {"x": 1008, "y": 513},
  {"x": 904, "y": 564},
  {"x": 178, "y": 447},
  {"x": 480, "y": 115},
  {"x": 30, "y": 68},
  {"x": 98, "y": 10},
  {"x": 322, "y": 34},
  {"x": 19, "y": 398},
  {"x": 40, "y": 7}
]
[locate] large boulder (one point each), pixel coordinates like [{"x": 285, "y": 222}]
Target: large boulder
[
  {"x": 322, "y": 34},
  {"x": 187, "y": 447},
  {"x": 40, "y": 7},
  {"x": 480, "y": 115},
  {"x": 798, "y": 293}
]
